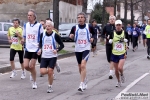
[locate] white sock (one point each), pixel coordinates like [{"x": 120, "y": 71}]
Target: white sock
[
  {"x": 111, "y": 72},
  {"x": 50, "y": 86}
]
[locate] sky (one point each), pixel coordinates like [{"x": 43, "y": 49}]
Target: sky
[{"x": 91, "y": 4}]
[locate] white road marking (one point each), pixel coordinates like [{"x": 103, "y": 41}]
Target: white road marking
[{"x": 130, "y": 86}]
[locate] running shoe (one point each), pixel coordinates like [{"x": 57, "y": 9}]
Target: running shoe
[
  {"x": 122, "y": 78},
  {"x": 49, "y": 90},
  {"x": 81, "y": 87},
  {"x": 13, "y": 74},
  {"x": 110, "y": 77},
  {"x": 58, "y": 67},
  {"x": 34, "y": 85},
  {"x": 23, "y": 75},
  {"x": 118, "y": 84}
]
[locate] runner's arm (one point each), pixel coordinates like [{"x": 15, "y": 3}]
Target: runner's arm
[
  {"x": 59, "y": 41},
  {"x": 8, "y": 35},
  {"x": 24, "y": 32},
  {"x": 72, "y": 32},
  {"x": 92, "y": 32},
  {"x": 40, "y": 43}
]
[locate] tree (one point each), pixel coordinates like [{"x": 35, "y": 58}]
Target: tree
[
  {"x": 84, "y": 8},
  {"x": 97, "y": 14},
  {"x": 56, "y": 13}
]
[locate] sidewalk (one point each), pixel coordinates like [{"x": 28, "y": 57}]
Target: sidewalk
[{"x": 5, "y": 63}]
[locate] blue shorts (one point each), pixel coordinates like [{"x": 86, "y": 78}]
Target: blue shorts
[
  {"x": 143, "y": 36},
  {"x": 116, "y": 58},
  {"x": 82, "y": 56}
]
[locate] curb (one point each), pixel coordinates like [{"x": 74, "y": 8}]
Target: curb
[
  {"x": 8, "y": 68},
  {"x": 4, "y": 46}
]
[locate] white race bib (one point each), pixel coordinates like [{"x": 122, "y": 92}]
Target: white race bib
[
  {"x": 134, "y": 32},
  {"x": 119, "y": 46},
  {"x": 15, "y": 40},
  {"x": 129, "y": 32},
  {"x": 82, "y": 43},
  {"x": 149, "y": 31}
]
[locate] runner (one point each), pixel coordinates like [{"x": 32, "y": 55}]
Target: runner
[
  {"x": 31, "y": 33},
  {"x": 14, "y": 38},
  {"x": 55, "y": 31},
  {"x": 83, "y": 41},
  {"x": 47, "y": 45},
  {"x": 147, "y": 32},
  {"x": 118, "y": 40},
  {"x": 129, "y": 30},
  {"x": 143, "y": 35},
  {"x": 109, "y": 28},
  {"x": 97, "y": 31},
  {"x": 135, "y": 36}
]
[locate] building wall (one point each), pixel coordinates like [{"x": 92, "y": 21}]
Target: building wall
[
  {"x": 68, "y": 12},
  {"x": 137, "y": 14},
  {"x": 11, "y": 9}
]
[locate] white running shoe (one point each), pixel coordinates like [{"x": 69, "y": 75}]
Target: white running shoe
[
  {"x": 23, "y": 76},
  {"x": 31, "y": 79},
  {"x": 34, "y": 85},
  {"x": 85, "y": 84},
  {"x": 58, "y": 67},
  {"x": 122, "y": 78},
  {"x": 54, "y": 77},
  {"x": 14, "y": 73},
  {"x": 81, "y": 87},
  {"x": 49, "y": 90},
  {"x": 118, "y": 84}
]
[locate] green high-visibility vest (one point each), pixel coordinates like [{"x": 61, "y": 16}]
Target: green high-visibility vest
[{"x": 147, "y": 30}]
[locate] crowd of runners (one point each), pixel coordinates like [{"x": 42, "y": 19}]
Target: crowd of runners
[{"x": 41, "y": 41}]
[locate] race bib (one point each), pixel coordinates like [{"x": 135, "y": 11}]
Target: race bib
[
  {"x": 129, "y": 32},
  {"x": 148, "y": 31},
  {"x": 31, "y": 37},
  {"x": 82, "y": 43},
  {"x": 134, "y": 32},
  {"x": 15, "y": 40},
  {"x": 119, "y": 47}
]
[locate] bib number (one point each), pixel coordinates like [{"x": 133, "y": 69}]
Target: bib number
[
  {"x": 31, "y": 37},
  {"x": 15, "y": 40},
  {"x": 129, "y": 32},
  {"x": 148, "y": 31},
  {"x": 119, "y": 47},
  {"x": 47, "y": 47},
  {"x": 82, "y": 43},
  {"x": 134, "y": 32}
]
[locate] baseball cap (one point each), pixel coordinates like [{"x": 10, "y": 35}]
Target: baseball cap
[{"x": 118, "y": 22}]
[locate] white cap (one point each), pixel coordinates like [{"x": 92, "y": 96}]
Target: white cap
[{"x": 118, "y": 22}]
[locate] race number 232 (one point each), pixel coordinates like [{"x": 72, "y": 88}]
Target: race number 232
[
  {"x": 31, "y": 36},
  {"x": 81, "y": 41}
]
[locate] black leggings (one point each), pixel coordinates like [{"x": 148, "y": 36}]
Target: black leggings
[
  {"x": 130, "y": 40},
  {"x": 148, "y": 46},
  {"x": 135, "y": 41},
  {"x": 13, "y": 53},
  {"x": 108, "y": 52}
]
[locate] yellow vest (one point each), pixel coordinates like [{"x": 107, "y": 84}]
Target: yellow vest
[
  {"x": 147, "y": 31},
  {"x": 16, "y": 45},
  {"x": 118, "y": 47}
]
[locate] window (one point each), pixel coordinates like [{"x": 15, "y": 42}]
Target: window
[
  {"x": 0, "y": 27},
  {"x": 6, "y": 27}
]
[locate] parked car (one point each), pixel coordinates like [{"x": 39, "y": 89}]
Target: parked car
[
  {"x": 64, "y": 31},
  {"x": 4, "y": 26}
]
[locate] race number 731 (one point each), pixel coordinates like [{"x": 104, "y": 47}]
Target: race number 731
[
  {"x": 46, "y": 47},
  {"x": 31, "y": 36},
  {"x": 81, "y": 41}
]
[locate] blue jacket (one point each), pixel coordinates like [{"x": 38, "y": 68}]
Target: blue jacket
[
  {"x": 135, "y": 32},
  {"x": 129, "y": 29}
]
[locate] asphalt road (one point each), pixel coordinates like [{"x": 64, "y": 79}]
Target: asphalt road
[{"x": 136, "y": 71}]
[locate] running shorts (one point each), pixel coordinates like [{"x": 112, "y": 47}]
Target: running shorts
[
  {"x": 48, "y": 62},
  {"x": 117, "y": 58}
]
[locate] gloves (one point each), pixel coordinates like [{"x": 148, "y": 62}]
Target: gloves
[
  {"x": 125, "y": 40},
  {"x": 110, "y": 41}
]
